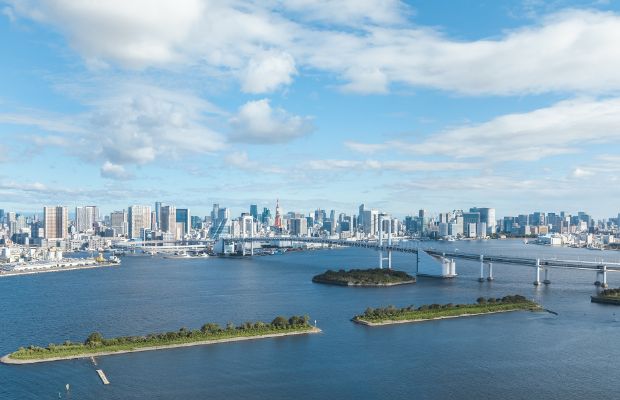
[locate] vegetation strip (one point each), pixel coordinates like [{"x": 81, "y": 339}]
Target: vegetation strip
[
  {"x": 609, "y": 296},
  {"x": 210, "y": 333},
  {"x": 364, "y": 277},
  {"x": 392, "y": 315}
]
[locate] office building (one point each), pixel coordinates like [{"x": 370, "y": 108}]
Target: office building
[
  {"x": 56, "y": 222},
  {"x": 139, "y": 221}
]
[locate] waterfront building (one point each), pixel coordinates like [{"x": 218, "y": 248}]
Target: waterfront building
[
  {"x": 158, "y": 205},
  {"x": 487, "y": 216},
  {"x": 86, "y": 217},
  {"x": 183, "y": 217},
  {"x": 298, "y": 226},
  {"x": 471, "y": 219},
  {"x": 56, "y": 222},
  {"x": 168, "y": 219},
  {"x": 118, "y": 222},
  {"x": 368, "y": 220},
  {"x": 139, "y": 221}
]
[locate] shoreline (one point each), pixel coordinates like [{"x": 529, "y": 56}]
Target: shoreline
[
  {"x": 605, "y": 300},
  {"x": 408, "y": 321},
  {"x": 56, "y": 269},
  {"x": 8, "y": 360},
  {"x": 338, "y": 283}
]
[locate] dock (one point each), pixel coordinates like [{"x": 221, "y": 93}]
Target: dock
[{"x": 104, "y": 378}]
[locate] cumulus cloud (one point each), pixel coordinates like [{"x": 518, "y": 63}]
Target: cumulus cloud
[
  {"x": 367, "y": 46},
  {"x": 258, "y": 123},
  {"x": 267, "y": 72},
  {"x": 561, "y": 128},
  {"x": 132, "y": 33},
  {"x": 135, "y": 125},
  {"x": 240, "y": 160},
  {"x": 114, "y": 171}
]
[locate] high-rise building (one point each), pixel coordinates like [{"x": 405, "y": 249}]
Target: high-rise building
[
  {"x": 487, "y": 216},
  {"x": 1, "y": 216},
  {"x": 158, "y": 205},
  {"x": 168, "y": 219},
  {"x": 139, "y": 220},
  {"x": 118, "y": 222},
  {"x": 86, "y": 217},
  {"x": 470, "y": 222},
  {"x": 56, "y": 222},
  {"x": 254, "y": 211},
  {"x": 183, "y": 217},
  {"x": 368, "y": 220},
  {"x": 298, "y": 226}
]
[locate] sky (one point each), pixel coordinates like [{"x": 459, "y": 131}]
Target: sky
[{"x": 327, "y": 104}]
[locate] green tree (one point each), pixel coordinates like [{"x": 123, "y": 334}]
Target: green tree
[
  {"x": 94, "y": 339},
  {"x": 279, "y": 322}
]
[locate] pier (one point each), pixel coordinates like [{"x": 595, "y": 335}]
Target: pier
[{"x": 104, "y": 378}]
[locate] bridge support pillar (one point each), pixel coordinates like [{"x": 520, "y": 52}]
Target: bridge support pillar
[
  {"x": 481, "y": 279},
  {"x": 546, "y": 281},
  {"x": 537, "y": 281},
  {"x": 601, "y": 277},
  {"x": 490, "y": 277}
]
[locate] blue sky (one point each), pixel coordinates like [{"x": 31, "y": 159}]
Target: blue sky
[{"x": 400, "y": 105}]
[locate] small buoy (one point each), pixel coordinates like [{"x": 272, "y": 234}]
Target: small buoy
[{"x": 67, "y": 387}]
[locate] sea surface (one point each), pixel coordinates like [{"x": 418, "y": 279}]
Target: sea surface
[{"x": 521, "y": 355}]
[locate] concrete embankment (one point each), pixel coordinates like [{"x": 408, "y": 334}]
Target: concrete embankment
[{"x": 8, "y": 360}]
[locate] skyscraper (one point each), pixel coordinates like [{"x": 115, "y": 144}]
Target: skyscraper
[
  {"x": 168, "y": 219},
  {"x": 56, "y": 222},
  {"x": 139, "y": 219},
  {"x": 183, "y": 217},
  {"x": 487, "y": 216},
  {"x": 118, "y": 222},
  {"x": 86, "y": 217},
  {"x": 254, "y": 211}
]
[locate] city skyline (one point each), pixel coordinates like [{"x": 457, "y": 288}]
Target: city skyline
[{"x": 512, "y": 105}]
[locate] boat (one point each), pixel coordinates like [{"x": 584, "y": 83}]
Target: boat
[{"x": 114, "y": 260}]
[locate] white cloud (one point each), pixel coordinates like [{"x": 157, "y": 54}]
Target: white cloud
[
  {"x": 570, "y": 51},
  {"x": 114, "y": 171},
  {"x": 129, "y": 125},
  {"x": 581, "y": 173},
  {"x": 240, "y": 160},
  {"x": 267, "y": 72},
  {"x": 258, "y": 123},
  {"x": 562, "y": 128},
  {"x": 350, "y": 12},
  {"x": 135, "y": 33},
  {"x": 376, "y": 165}
]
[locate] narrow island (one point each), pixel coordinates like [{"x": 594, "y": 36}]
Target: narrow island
[
  {"x": 392, "y": 315},
  {"x": 96, "y": 345},
  {"x": 364, "y": 277},
  {"x": 608, "y": 296}
]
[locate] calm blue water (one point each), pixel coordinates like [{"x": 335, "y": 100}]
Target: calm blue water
[{"x": 510, "y": 356}]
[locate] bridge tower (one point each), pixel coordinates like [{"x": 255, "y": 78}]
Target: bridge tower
[{"x": 389, "y": 242}]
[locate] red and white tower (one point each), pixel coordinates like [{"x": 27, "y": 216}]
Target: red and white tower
[{"x": 278, "y": 221}]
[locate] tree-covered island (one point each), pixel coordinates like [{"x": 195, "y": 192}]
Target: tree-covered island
[
  {"x": 209, "y": 333},
  {"x": 364, "y": 277},
  {"x": 393, "y": 315},
  {"x": 609, "y": 296}
]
